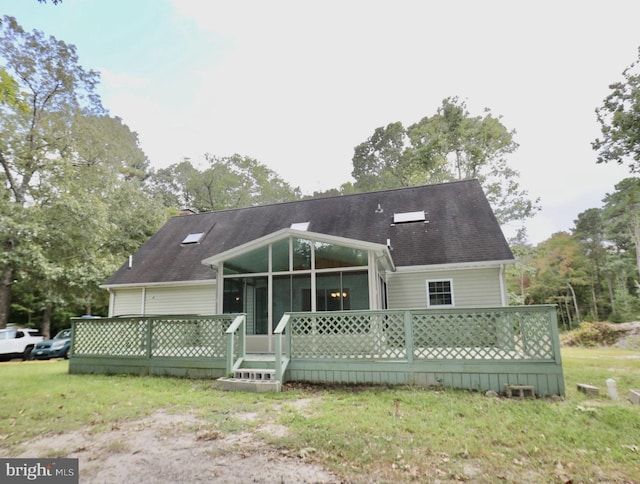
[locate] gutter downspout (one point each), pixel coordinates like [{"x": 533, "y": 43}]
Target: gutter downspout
[
  {"x": 503, "y": 291},
  {"x": 112, "y": 302}
]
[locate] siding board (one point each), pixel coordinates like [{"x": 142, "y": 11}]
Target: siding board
[
  {"x": 199, "y": 299},
  {"x": 471, "y": 287},
  {"x": 127, "y": 301}
]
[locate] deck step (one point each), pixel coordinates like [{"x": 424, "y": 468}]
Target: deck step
[
  {"x": 247, "y": 385},
  {"x": 520, "y": 390},
  {"x": 588, "y": 389},
  {"x": 267, "y": 374}
]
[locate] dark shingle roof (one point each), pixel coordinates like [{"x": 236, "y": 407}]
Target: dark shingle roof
[{"x": 461, "y": 228}]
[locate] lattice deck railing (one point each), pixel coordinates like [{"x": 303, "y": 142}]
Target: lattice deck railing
[
  {"x": 479, "y": 348},
  {"x": 512, "y": 333},
  {"x": 161, "y": 336}
]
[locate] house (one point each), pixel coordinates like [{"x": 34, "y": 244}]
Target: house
[
  {"x": 402, "y": 286},
  {"x": 431, "y": 247}
]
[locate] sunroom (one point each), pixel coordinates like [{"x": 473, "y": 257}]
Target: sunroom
[{"x": 293, "y": 270}]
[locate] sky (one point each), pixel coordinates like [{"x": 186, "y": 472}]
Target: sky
[{"x": 297, "y": 85}]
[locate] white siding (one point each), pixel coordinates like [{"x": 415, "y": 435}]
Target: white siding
[
  {"x": 126, "y": 301},
  {"x": 200, "y": 299},
  {"x": 181, "y": 300},
  {"x": 471, "y": 287}
]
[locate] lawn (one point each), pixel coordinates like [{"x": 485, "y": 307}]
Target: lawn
[{"x": 364, "y": 434}]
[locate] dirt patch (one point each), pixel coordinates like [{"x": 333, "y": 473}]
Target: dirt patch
[
  {"x": 177, "y": 448},
  {"x": 630, "y": 336}
]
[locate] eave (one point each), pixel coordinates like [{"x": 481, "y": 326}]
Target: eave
[{"x": 456, "y": 266}]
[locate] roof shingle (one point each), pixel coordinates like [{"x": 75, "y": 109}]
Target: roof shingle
[{"x": 460, "y": 227}]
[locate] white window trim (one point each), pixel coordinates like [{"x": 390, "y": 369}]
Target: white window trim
[
  {"x": 453, "y": 299},
  {"x": 408, "y": 217}
]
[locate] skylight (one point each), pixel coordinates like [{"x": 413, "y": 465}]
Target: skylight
[
  {"x": 406, "y": 217},
  {"x": 193, "y": 238},
  {"x": 300, "y": 225}
]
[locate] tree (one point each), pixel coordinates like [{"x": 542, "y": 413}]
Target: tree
[
  {"x": 43, "y": 90},
  {"x": 520, "y": 275},
  {"x": 385, "y": 161},
  {"x": 448, "y": 146},
  {"x": 560, "y": 275},
  {"x": 619, "y": 118},
  {"x": 39, "y": 83},
  {"x": 65, "y": 165},
  {"x": 227, "y": 182},
  {"x": 105, "y": 140},
  {"x": 590, "y": 231},
  {"x": 622, "y": 214},
  {"x": 346, "y": 188},
  {"x": 93, "y": 220}
]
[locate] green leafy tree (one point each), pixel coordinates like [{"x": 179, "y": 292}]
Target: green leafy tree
[
  {"x": 520, "y": 275},
  {"x": 44, "y": 90},
  {"x": 590, "y": 231},
  {"x": 385, "y": 161},
  {"x": 93, "y": 220},
  {"x": 346, "y": 188},
  {"x": 560, "y": 276},
  {"x": 106, "y": 140},
  {"x": 619, "y": 118},
  {"x": 10, "y": 92},
  {"x": 67, "y": 168},
  {"x": 622, "y": 215},
  {"x": 621, "y": 218},
  {"x": 448, "y": 146},
  {"x": 227, "y": 182}
]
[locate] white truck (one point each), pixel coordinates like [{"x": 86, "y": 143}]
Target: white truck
[{"x": 18, "y": 343}]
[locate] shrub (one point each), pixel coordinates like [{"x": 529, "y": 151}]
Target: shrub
[{"x": 592, "y": 334}]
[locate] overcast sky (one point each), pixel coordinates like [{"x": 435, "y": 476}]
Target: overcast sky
[{"x": 298, "y": 84}]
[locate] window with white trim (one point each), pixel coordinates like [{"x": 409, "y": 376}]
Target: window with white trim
[{"x": 440, "y": 293}]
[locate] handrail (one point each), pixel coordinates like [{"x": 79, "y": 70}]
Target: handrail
[
  {"x": 281, "y": 366},
  {"x": 233, "y": 327},
  {"x": 239, "y": 325},
  {"x": 284, "y": 321}
]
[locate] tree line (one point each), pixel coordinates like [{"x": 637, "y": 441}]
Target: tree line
[
  {"x": 593, "y": 271},
  {"x": 80, "y": 194}
]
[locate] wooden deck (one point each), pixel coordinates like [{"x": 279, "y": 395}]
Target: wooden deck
[{"x": 477, "y": 349}]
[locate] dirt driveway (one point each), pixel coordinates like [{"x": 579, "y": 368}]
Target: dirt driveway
[{"x": 167, "y": 448}]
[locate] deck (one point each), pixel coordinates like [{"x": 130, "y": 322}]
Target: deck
[{"x": 477, "y": 349}]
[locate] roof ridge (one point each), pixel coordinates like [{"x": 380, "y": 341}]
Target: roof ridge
[{"x": 348, "y": 195}]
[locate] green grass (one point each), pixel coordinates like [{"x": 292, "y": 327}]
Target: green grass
[{"x": 367, "y": 433}]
